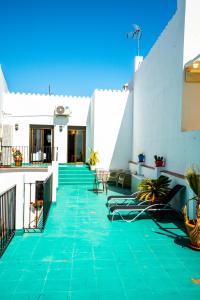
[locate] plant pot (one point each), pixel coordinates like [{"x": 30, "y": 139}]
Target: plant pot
[
  {"x": 193, "y": 231},
  {"x": 18, "y": 162},
  {"x": 92, "y": 168},
  {"x": 141, "y": 158},
  {"x": 159, "y": 163},
  {"x": 194, "y": 234}
]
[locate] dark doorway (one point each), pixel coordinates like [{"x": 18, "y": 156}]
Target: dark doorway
[
  {"x": 76, "y": 144},
  {"x": 41, "y": 144}
]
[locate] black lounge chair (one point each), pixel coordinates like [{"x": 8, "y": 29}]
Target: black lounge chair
[
  {"x": 145, "y": 206},
  {"x": 125, "y": 199}
]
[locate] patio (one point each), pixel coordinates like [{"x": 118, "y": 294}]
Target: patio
[{"x": 82, "y": 255}]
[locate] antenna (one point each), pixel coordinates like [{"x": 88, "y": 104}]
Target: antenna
[
  {"x": 136, "y": 35},
  {"x": 49, "y": 89}
]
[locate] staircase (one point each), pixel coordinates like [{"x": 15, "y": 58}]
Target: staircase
[{"x": 75, "y": 175}]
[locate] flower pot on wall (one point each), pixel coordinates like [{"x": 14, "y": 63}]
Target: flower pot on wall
[
  {"x": 141, "y": 158},
  {"x": 18, "y": 162},
  {"x": 159, "y": 163}
]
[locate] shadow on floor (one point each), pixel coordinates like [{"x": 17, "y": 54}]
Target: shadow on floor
[
  {"x": 114, "y": 189},
  {"x": 167, "y": 225},
  {"x": 174, "y": 218}
]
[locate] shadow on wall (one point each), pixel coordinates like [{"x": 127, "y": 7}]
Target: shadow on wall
[{"x": 123, "y": 147}]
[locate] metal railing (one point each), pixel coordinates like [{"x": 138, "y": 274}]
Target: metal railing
[
  {"x": 7, "y": 217},
  {"x": 32, "y": 155},
  {"x": 38, "y": 200}
]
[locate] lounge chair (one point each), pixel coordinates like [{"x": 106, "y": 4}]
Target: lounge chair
[
  {"x": 145, "y": 206},
  {"x": 125, "y": 199}
]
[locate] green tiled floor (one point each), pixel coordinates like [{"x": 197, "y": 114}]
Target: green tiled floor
[{"x": 83, "y": 256}]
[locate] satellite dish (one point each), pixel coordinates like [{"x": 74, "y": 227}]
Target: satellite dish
[{"x": 136, "y": 35}]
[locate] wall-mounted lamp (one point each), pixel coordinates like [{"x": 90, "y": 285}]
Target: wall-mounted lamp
[
  {"x": 60, "y": 128},
  {"x": 16, "y": 126}
]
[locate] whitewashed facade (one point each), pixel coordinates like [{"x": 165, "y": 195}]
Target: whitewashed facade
[{"x": 159, "y": 116}]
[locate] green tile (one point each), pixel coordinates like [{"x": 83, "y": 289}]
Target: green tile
[{"x": 82, "y": 255}]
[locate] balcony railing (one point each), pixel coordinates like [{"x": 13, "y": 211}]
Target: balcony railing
[
  {"x": 7, "y": 217},
  {"x": 38, "y": 199},
  {"x": 31, "y": 155}
]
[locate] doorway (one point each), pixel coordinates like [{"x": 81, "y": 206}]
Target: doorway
[
  {"x": 41, "y": 143},
  {"x": 76, "y": 144}
]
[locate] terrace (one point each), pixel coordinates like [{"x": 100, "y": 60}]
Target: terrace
[{"x": 82, "y": 255}]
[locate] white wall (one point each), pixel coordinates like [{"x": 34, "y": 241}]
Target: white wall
[
  {"x": 158, "y": 88},
  {"x": 26, "y": 109},
  {"x": 8, "y": 179},
  {"x": 3, "y": 88},
  {"x": 112, "y": 125},
  {"x": 192, "y": 32},
  {"x": 191, "y": 95}
]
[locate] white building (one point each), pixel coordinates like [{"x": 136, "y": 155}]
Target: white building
[{"x": 160, "y": 116}]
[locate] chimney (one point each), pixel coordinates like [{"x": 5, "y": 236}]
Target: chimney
[{"x": 137, "y": 62}]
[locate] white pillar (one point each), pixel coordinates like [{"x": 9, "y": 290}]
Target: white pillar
[
  {"x": 19, "y": 201},
  {"x": 137, "y": 62},
  {"x": 55, "y": 179}
]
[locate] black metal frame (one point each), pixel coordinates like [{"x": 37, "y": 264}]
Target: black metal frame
[
  {"x": 36, "y": 214},
  {"x": 7, "y": 160},
  {"x": 7, "y": 218}
]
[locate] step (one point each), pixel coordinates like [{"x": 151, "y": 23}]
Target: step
[
  {"x": 79, "y": 183},
  {"x": 74, "y": 167},
  {"x": 76, "y": 179},
  {"x": 75, "y": 172},
  {"x": 75, "y": 182}
]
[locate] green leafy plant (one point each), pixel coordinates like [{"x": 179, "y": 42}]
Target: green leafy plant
[
  {"x": 158, "y": 157},
  {"x": 94, "y": 157},
  {"x": 192, "y": 223},
  {"x": 193, "y": 178},
  {"x": 153, "y": 189},
  {"x": 17, "y": 154}
]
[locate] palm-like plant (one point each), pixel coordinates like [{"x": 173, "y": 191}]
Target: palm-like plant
[
  {"x": 94, "y": 157},
  {"x": 153, "y": 189},
  {"x": 193, "y": 178},
  {"x": 192, "y": 224}
]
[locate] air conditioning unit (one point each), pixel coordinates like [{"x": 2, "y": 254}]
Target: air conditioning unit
[{"x": 62, "y": 111}]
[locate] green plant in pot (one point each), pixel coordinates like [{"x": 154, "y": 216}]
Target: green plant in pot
[
  {"x": 153, "y": 189},
  {"x": 93, "y": 159},
  {"x": 192, "y": 224}
]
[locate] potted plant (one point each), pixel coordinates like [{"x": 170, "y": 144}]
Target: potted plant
[
  {"x": 17, "y": 156},
  {"x": 192, "y": 223},
  {"x": 141, "y": 158},
  {"x": 159, "y": 161},
  {"x": 93, "y": 159},
  {"x": 153, "y": 189}
]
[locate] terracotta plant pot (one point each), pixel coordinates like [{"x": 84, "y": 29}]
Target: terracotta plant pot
[
  {"x": 18, "y": 162},
  {"x": 193, "y": 231}
]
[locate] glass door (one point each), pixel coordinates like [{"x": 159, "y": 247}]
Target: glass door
[
  {"x": 41, "y": 144},
  {"x": 76, "y": 144}
]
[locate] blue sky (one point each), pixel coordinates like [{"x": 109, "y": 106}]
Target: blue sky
[{"x": 76, "y": 46}]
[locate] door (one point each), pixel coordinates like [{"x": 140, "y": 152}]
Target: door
[
  {"x": 41, "y": 144},
  {"x": 76, "y": 144}
]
